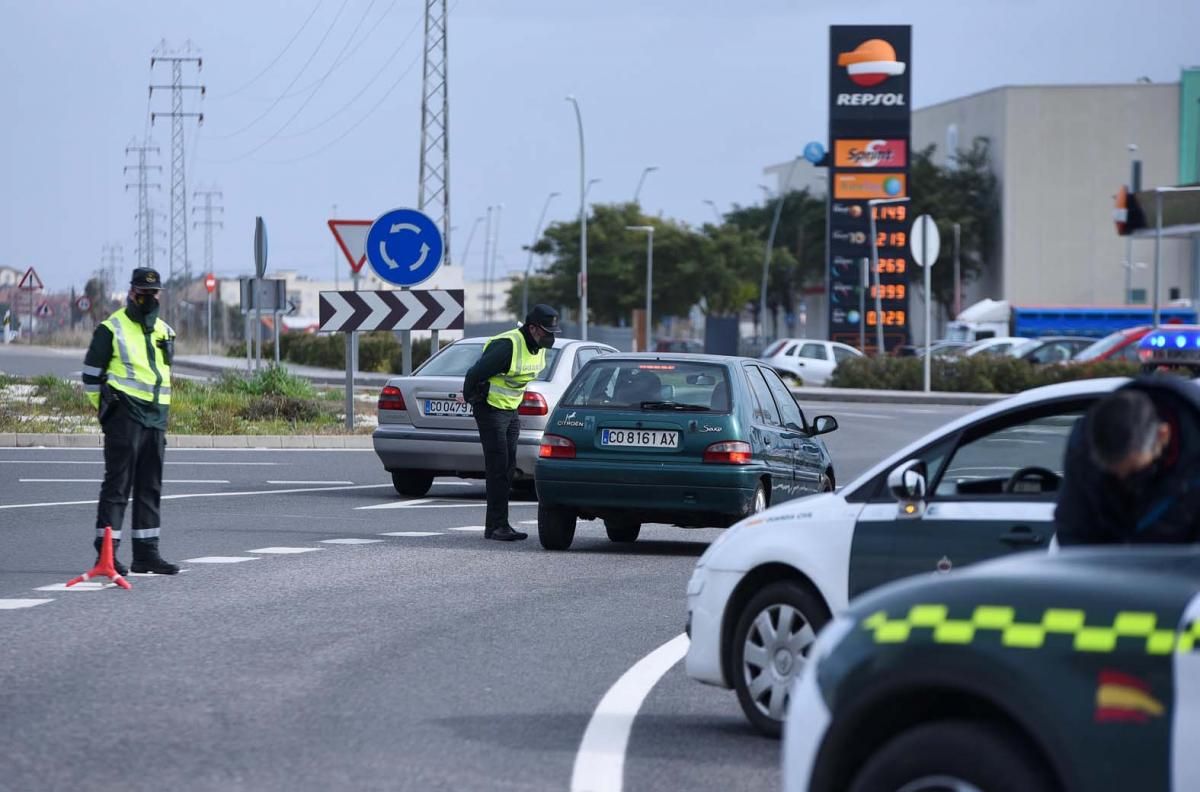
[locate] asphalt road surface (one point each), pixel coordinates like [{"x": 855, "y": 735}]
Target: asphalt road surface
[
  {"x": 22, "y": 360},
  {"x": 327, "y": 634}
]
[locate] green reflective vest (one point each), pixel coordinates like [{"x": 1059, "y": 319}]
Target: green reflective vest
[
  {"x": 138, "y": 367},
  {"x": 505, "y": 391}
]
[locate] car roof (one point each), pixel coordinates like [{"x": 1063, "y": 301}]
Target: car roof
[
  {"x": 557, "y": 340},
  {"x": 691, "y": 357},
  {"x": 1062, "y": 390}
]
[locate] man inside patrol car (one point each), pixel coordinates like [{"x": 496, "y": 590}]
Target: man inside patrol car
[{"x": 1132, "y": 472}]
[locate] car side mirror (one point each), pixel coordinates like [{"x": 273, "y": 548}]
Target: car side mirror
[
  {"x": 907, "y": 484},
  {"x": 823, "y": 424}
]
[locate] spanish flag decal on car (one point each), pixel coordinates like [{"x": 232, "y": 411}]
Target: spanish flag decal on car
[{"x": 1122, "y": 697}]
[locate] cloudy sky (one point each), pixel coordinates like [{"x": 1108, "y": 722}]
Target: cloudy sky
[{"x": 312, "y": 103}]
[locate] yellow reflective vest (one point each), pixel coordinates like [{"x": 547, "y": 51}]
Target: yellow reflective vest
[
  {"x": 139, "y": 366},
  {"x": 505, "y": 391}
]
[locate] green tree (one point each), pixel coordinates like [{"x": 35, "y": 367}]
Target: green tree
[
  {"x": 964, "y": 192},
  {"x": 689, "y": 264}
]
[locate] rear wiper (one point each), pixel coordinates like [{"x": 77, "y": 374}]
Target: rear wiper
[{"x": 672, "y": 405}]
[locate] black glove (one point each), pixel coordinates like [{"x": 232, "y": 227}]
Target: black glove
[
  {"x": 108, "y": 402},
  {"x": 167, "y": 345}
]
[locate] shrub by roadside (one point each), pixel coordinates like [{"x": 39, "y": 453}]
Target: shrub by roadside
[
  {"x": 978, "y": 374},
  {"x": 378, "y": 352}
]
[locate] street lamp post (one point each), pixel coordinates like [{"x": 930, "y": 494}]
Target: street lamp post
[
  {"x": 871, "y": 204},
  {"x": 490, "y": 284},
  {"x": 649, "y": 229},
  {"x": 487, "y": 250},
  {"x": 642, "y": 180},
  {"x": 762, "y": 294},
  {"x": 1158, "y": 231},
  {"x": 529, "y": 263},
  {"x": 716, "y": 212},
  {"x": 583, "y": 301},
  {"x": 1135, "y": 178}
]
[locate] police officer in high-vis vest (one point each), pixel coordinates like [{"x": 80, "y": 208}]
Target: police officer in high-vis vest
[
  {"x": 127, "y": 377},
  {"x": 495, "y": 386}
]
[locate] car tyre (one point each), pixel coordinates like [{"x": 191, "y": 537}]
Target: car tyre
[
  {"x": 412, "y": 483},
  {"x": 771, "y": 641},
  {"x": 622, "y": 530},
  {"x": 954, "y": 754},
  {"x": 556, "y": 526},
  {"x": 758, "y": 503},
  {"x": 826, "y": 483}
]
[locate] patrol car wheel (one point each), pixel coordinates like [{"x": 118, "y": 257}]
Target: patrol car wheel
[
  {"x": 770, "y": 645},
  {"x": 556, "y": 527},
  {"x": 759, "y": 502},
  {"x": 953, "y": 756},
  {"x": 622, "y": 530},
  {"x": 412, "y": 483}
]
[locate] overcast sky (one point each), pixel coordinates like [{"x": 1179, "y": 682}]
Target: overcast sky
[{"x": 710, "y": 92}]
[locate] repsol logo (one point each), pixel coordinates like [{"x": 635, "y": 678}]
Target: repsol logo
[{"x": 870, "y": 100}]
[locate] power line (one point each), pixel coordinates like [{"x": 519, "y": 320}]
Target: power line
[
  {"x": 282, "y": 52},
  {"x": 299, "y": 74}
]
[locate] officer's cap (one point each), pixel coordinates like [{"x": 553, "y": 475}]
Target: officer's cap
[
  {"x": 544, "y": 317},
  {"x": 145, "y": 278}
]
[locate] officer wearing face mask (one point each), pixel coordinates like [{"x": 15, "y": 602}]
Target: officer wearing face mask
[
  {"x": 1132, "y": 471},
  {"x": 127, "y": 378},
  {"x": 495, "y": 387}
]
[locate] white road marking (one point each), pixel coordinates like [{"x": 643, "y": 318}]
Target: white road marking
[
  {"x": 350, "y": 541},
  {"x": 315, "y": 483},
  {"x": 92, "y": 502},
  {"x": 600, "y": 762},
  {"x": 220, "y": 559},
  {"x": 470, "y": 528},
  {"x": 101, "y": 481},
  {"x": 874, "y": 416},
  {"x": 412, "y": 533},
  {"x": 423, "y": 504},
  {"x": 454, "y": 483},
  {"x": 528, "y": 522},
  {"x": 88, "y": 585},
  {"x": 284, "y": 550},
  {"x": 15, "y": 604}
]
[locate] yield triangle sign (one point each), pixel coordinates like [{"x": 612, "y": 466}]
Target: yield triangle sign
[
  {"x": 351, "y": 236},
  {"x": 30, "y": 281}
]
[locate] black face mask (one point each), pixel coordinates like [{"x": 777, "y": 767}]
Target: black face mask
[
  {"x": 546, "y": 341},
  {"x": 147, "y": 302}
]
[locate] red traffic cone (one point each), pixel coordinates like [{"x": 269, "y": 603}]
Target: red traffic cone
[{"x": 104, "y": 566}]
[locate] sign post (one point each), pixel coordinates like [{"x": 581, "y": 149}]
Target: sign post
[
  {"x": 210, "y": 283},
  {"x": 260, "y": 269},
  {"x": 926, "y": 243},
  {"x": 405, "y": 247},
  {"x": 351, "y": 237},
  {"x": 31, "y": 283}
]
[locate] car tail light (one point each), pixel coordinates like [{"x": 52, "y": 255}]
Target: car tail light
[
  {"x": 533, "y": 404},
  {"x": 555, "y": 447},
  {"x": 390, "y": 398},
  {"x": 733, "y": 452}
]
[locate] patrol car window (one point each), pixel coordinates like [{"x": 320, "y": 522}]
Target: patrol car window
[
  {"x": 791, "y": 351},
  {"x": 814, "y": 351},
  {"x": 983, "y": 466},
  {"x": 583, "y": 356},
  {"x": 933, "y": 456},
  {"x": 650, "y": 385},
  {"x": 456, "y": 359},
  {"x": 765, "y": 410},
  {"x": 788, "y": 409}
]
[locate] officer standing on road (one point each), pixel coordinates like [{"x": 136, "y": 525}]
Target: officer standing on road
[
  {"x": 1132, "y": 472},
  {"x": 495, "y": 387},
  {"x": 127, "y": 377}
]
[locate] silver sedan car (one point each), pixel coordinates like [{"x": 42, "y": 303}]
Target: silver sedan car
[{"x": 425, "y": 431}]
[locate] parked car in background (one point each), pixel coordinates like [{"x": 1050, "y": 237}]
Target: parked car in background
[
  {"x": 1121, "y": 345},
  {"x": 999, "y": 345},
  {"x": 812, "y": 360},
  {"x": 943, "y": 348},
  {"x": 426, "y": 431},
  {"x": 689, "y": 440},
  {"x": 678, "y": 345},
  {"x": 1052, "y": 349}
]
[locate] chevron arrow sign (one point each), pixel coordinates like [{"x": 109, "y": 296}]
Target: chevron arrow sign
[{"x": 416, "y": 309}]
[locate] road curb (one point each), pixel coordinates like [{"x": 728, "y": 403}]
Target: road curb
[
  {"x": 48, "y": 440},
  {"x": 868, "y": 396}
]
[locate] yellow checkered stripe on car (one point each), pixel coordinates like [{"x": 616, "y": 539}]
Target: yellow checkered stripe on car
[{"x": 1143, "y": 626}]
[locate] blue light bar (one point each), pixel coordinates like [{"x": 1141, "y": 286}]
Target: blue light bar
[{"x": 1168, "y": 339}]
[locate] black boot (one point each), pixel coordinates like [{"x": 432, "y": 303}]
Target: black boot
[
  {"x": 506, "y": 534},
  {"x": 122, "y": 570},
  {"x": 147, "y": 559}
]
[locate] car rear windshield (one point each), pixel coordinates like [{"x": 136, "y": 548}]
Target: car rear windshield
[
  {"x": 651, "y": 385},
  {"x": 454, "y": 360},
  {"x": 1103, "y": 346}
]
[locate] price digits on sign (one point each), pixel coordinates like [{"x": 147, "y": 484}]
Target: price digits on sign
[
  {"x": 890, "y": 318},
  {"x": 893, "y": 239},
  {"x": 892, "y": 266},
  {"x": 897, "y": 212},
  {"x": 889, "y": 291}
]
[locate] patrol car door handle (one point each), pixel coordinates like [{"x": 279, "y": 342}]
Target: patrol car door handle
[{"x": 1021, "y": 535}]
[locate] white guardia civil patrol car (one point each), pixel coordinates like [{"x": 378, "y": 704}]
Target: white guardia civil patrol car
[{"x": 979, "y": 487}]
